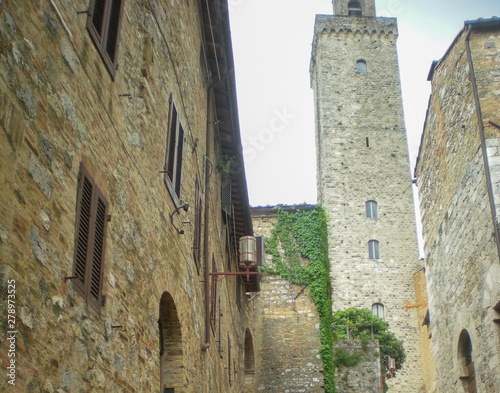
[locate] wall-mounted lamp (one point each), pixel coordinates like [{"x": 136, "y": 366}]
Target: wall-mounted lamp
[{"x": 184, "y": 207}]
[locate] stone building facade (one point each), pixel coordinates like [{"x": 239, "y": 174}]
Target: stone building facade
[
  {"x": 363, "y": 172},
  {"x": 458, "y": 172},
  {"x": 115, "y": 118},
  {"x": 288, "y": 337}
]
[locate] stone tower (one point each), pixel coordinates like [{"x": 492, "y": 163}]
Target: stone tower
[{"x": 363, "y": 172}]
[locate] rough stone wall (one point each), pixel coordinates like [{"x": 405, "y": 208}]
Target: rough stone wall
[
  {"x": 462, "y": 261},
  {"x": 288, "y": 331},
  {"x": 362, "y": 156},
  {"x": 422, "y": 307},
  {"x": 59, "y": 107},
  {"x": 365, "y": 376}
]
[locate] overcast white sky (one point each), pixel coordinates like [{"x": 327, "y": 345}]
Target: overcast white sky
[{"x": 272, "y": 49}]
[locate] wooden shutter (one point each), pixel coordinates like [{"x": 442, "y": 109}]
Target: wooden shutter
[
  {"x": 99, "y": 244},
  {"x": 173, "y": 155},
  {"x": 104, "y": 25},
  {"x": 82, "y": 233},
  {"x": 178, "y": 161},
  {"x": 197, "y": 225},
  {"x": 226, "y": 195},
  {"x": 260, "y": 250},
  {"x": 172, "y": 137},
  {"x": 96, "y": 20},
  {"x": 213, "y": 297},
  {"x": 90, "y": 239}
]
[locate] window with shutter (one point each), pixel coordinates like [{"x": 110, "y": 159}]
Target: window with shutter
[
  {"x": 213, "y": 297},
  {"x": 104, "y": 24},
  {"x": 226, "y": 195},
  {"x": 197, "y": 226},
  {"x": 173, "y": 156},
  {"x": 90, "y": 239},
  {"x": 260, "y": 250}
]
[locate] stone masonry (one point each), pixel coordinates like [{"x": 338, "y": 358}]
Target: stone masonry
[
  {"x": 362, "y": 156},
  {"x": 59, "y": 107},
  {"x": 458, "y": 177},
  {"x": 288, "y": 335}
]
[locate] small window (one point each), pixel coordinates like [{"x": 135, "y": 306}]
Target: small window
[
  {"x": 354, "y": 8},
  {"x": 371, "y": 209},
  {"x": 361, "y": 66},
  {"x": 378, "y": 310},
  {"x": 373, "y": 249},
  {"x": 173, "y": 158},
  {"x": 91, "y": 223},
  {"x": 104, "y": 24}
]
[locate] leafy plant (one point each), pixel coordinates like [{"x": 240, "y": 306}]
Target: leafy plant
[
  {"x": 360, "y": 322},
  {"x": 224, "y": 163}
]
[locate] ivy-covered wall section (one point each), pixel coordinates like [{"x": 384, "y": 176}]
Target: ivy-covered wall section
[{"x": 299, "y": 248}]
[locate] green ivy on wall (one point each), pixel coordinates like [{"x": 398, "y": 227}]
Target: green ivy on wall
[{"x": 302, "y": 235}]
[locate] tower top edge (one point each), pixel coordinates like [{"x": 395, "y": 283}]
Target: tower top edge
[{"x": 373, "y": 26}]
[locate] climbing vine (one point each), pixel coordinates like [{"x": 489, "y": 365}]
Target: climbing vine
[{"x": 299, "y": 249}]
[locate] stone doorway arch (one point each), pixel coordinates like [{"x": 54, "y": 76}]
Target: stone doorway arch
[{"x": 171, "y": 352}]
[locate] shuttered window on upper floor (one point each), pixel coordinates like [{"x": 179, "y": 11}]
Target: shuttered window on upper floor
[
  {"x": 90, "y": 239},
  {"x": 173, "y": 156},
  {"x": 198, "y": 208},
  {"x": 104, "y": 22}
]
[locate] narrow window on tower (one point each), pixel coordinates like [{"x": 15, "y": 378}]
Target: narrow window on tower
[
  {"x": 361, "y": 66},
  {"x": 371, "y": 209},
  {"x": 373, "y": 249},
  {"x": 367, "y": 142},
  {"x": 378, "y": 310},
  {"x": 354, "y": 8}
]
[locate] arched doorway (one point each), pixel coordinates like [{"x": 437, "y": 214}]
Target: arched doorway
[
  {"x": 171, "y": 355},
  {"x": 249, "y": 362},
  {"x": 465, "y": 363}
]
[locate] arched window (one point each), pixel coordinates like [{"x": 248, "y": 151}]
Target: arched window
[
  {"x": 373, "y": 249},
  {"x": 354, "y": 8},
  {"x": 361, "y": 66},
  {"x": 467, "y": 374},
  {"x": 371, "y": 209},
  {"x": 378, "y": 310},
  {"x": 171, "y": 354}
]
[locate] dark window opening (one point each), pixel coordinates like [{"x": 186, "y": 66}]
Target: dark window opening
[
  {"x": 367, "y": 142},
  {"x": 104, "y": 24},
  {"x": 173, "y": 157},
  {"x": 354, "y": 8},
  {"x": 361, "y": 66},
  {"x": 378, "y": 310},
  {"x": 373, "y": 249},
  {"x": 371, "y": 209},
  {"x": 90, "y": 239}
]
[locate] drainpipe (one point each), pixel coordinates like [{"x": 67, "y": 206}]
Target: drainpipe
[{"x": 483, "y": 139}]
